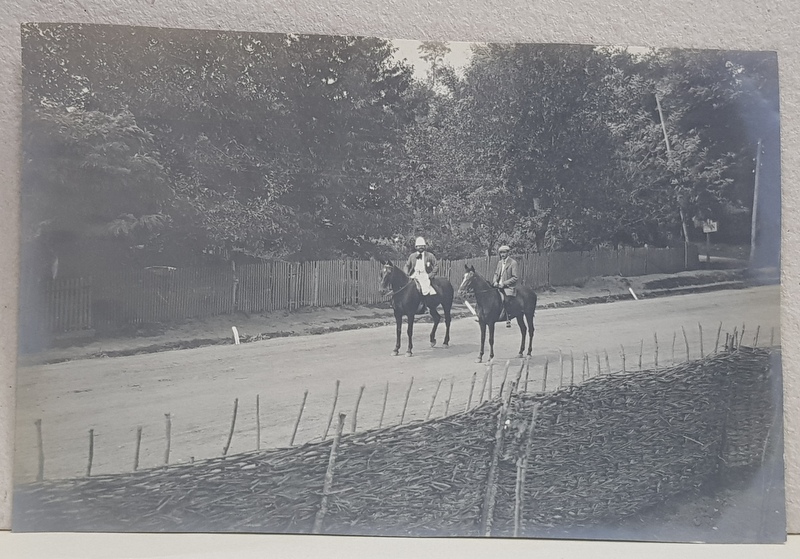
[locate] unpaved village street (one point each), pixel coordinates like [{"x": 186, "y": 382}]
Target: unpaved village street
[{"x": 197, "y": 387}]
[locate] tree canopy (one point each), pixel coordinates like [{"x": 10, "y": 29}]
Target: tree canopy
[{"x": 176, "y": 146}]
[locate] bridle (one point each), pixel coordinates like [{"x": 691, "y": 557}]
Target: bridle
[{"x": 392, "y": 293}]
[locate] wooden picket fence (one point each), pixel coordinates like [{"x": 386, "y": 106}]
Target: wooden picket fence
[{"x": 130, "y": 297}]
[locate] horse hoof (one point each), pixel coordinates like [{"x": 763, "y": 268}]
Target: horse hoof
[
  {"x": 408, "y": 354},
  {"x": 446, "y": 346},
  {"x": 433, "y": 343},
  {"x": 395, "y": 353},
  {"x": 479, "y": 360},
  {"x": 520, "y": 356}
]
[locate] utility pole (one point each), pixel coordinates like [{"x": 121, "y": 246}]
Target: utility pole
[
  {"x": 753, "y": 222},
  {"x": 683, "y": 216}
]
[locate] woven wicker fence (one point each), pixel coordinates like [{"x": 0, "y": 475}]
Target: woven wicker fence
[{"x": 605, "y": 449}]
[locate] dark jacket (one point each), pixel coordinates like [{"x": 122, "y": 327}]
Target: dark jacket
[{"x": 431, "y": 266}]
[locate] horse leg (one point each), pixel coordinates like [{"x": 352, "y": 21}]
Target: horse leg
[
  {"x": 491, "y": 340},
  {"x": 483, "y": 341},
  {"x": 398, "y": 318},
  {"x": 436, "y": 319},
  {"x": 523, "y": 330},
  {"x": 410, "y": 333},
  {"x": 446, "y": 309},
  {"x": 530, "y": 333}
]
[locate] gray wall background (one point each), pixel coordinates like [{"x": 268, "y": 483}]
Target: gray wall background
[{"x": 729, "y": 24}]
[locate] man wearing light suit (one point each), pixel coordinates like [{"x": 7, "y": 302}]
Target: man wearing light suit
[
  {"x": 505, "y": 278},
  {"x": 422, "y": 267}
]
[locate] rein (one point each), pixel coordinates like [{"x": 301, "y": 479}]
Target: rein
[{"x": 393, "y": 292}]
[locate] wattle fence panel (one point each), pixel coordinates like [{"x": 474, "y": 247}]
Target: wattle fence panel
[{"x": 132, "y": 297}]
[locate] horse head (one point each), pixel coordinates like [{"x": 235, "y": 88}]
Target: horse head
[
  {"x": 469, "y": 276},
  {"x": 387, "y": 271}
]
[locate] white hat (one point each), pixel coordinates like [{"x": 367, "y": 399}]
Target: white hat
[
  {"x": 504, "y": 248},
  {"x": 420, "y": 242}
]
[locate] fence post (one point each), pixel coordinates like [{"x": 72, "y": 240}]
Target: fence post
[
  {"x": 522, "y": 468},
  {"x": 449, "y": 397},
  {"x": 471, "y": 388},
  {"x": 355, "y": 411},
  {"x": 40, "y": 445},
  {"x": 258, "y": 422},
  {"x": 91, "y": 453},
  {"x": 326, "y": 486},
  {"x": 168, "y": 418},
  {"x": 491, "y": 482},
  {"x": 333, "y": 410},
  {"x": 299, "y": 416},
  {"x": 405, "y": 405},
  {"x": 383, "y": 409},
  {"x": 138, "y": 448},
  {"x": 233, "y": 425}
]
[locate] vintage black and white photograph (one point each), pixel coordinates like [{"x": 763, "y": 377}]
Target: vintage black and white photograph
[{"x": 313, "y": 284}]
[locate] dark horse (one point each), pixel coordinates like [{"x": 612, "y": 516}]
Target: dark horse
[
  {"x": 406, "y": 298},
  {"x": 490, "y": 307}
]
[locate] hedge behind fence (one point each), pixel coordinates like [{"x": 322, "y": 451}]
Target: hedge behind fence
[{"x": 602, "y": 450}]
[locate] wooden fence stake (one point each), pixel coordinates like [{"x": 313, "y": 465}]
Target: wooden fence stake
[
  {"x": 333, "y": 410},
  {"x": 686, "y": 341},
  {"x": 587, "y": 373},
  {"x": 755, "y": 340},
  {"x": 405, "y": 405},
  {"x": 168, "y": 418},
  {"x": 40, "y": 445},
  {"x": 489, "y": 395},
  {"x": 505, "y": 376},
  {"x": 519, "y": 375},
  {"x": 326, "y": 486},
  {"x": 733, "y": 338},
  {"x": 299, "y": 415},
  {"x": 522, "y": 468},
  {"x": 641, "y": 350},
  {"x": 433, "y": 400},
  {"x": 623, "y": 357},
  {"x": 449, "y": 397},
  {"x": 674, "y": 335},
  {"x": 544, "y": 378},
  {"x": 572, "y": 368},
  {"x": 91, "y": 453},
  {"x": 355, "y": 411},
  {"x": 138, "y": 447},
  {"x": 716, "y": 344},
  {"x": 741, "y": 338},
  {"x": 655, "y": 355},
  {"x": 527, "y": 371},
  {"x": 599, "y": 371},
  {"x": 608, "y": 362},
  {"x": 702, "y": 352},
  {"x": 561, "y": 362},
  {"x": 258, "y": 422},
  {"x": 471, "y": 388},
  {"x": 483, "y": 386},
  {"x": 383, "y": 409},
  {"x": 491, "y": 481},
  {"x": 233, "y": 425}
]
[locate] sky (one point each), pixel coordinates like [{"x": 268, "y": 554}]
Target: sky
[{"x": 459, "y": 56}]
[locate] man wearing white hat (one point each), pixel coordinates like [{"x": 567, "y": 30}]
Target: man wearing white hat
[
  {"x": 505, "y": 278},
  {"x": 422, "y": 266}
]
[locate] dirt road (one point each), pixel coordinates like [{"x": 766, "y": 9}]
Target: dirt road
[{"x": 198, "y": 387}]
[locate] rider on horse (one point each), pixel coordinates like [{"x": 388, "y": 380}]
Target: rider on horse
[
  {"x": 505, "y": 279},
  {"x": 422, "y": 267}
]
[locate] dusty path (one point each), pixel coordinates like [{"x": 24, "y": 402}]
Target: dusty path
[{"x": 198, "y": 387}]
